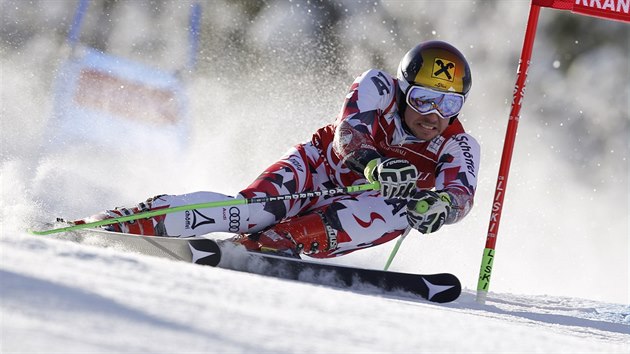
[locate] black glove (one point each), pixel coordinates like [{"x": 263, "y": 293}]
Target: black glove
[
  {"x": 427, "y": 210},
  {"x": 396, "y": 176}
]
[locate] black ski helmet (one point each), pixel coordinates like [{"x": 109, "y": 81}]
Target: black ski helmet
[{"x": 436, "y": 65}]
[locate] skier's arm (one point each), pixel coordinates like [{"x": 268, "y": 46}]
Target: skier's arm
[
  {"x": 456, "y": 182},
  {"x": 397, "y": 176},
  {"x": 456, "y": 174},
  {"x": 355, "y": 144},
  {"x": 369, "y": 95}
]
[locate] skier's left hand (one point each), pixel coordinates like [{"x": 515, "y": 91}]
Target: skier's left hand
[
  {"x": 427, "y": 210},
  {"x": 397, "y": 177}
]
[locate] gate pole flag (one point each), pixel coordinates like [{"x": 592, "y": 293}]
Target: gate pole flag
[{"x": 618, "y": 10}]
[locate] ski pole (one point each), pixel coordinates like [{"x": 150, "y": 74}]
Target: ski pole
[
  {"x": 422, "y": 208},
  {"x": 396, "y": 247},
  {"x": 220, "y": 203}
]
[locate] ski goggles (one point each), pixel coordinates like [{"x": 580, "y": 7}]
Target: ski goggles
[{"x": 424, "y": 101}]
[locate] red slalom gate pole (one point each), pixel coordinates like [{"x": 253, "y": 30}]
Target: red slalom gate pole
[
  {"x": 616, "y": 10},
  {"x": 506, "y": 158}
]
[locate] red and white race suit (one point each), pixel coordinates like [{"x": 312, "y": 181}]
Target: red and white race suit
[{"x": 368, "y": 122}]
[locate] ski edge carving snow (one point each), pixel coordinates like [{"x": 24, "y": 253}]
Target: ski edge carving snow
[{"x": 439, "y": 288}]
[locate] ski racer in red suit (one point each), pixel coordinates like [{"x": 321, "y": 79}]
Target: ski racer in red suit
[{"x": 403, "y": 132}]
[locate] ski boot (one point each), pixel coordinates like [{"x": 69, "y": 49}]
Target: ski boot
[
  {"x": 153, "y": 226},
  {"x": 306, "y": 234}
]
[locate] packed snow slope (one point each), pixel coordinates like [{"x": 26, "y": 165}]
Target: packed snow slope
[
  {"x": 268, "y": 76},
  {"x": 59, "y": 296}
]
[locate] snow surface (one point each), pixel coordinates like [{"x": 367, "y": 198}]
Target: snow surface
[
  {"x": 560, "y": 279},
  {"x": 59, "y": 296}
]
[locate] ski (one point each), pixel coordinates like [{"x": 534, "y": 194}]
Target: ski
[{"x": 439, "y": 288}]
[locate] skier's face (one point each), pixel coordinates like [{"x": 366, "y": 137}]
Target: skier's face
[{"x": 425, "y": 126}]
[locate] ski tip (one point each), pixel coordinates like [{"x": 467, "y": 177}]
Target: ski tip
[
  {"x": 442, "y": 288},
  {"x": 205, "y": 252}
]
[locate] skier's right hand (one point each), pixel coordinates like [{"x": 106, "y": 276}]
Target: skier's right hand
[
  {"x": 427, "y": 211},
  {"x": 397, "y": 177}
]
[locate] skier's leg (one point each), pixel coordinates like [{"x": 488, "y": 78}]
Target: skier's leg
[
  {"x": 364, "y": 221},
  {"x": 295, "y": 172},
  {"x": 180, "y": 224},
  {"x": 306, "y": 234},
  {"x": 291, "y": 174},
  {"x": 347, "y": 224}
]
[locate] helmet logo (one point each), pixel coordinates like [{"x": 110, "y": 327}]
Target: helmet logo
[{"x": 443, "y": 69}]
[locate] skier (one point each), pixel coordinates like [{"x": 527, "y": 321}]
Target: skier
[{"x": 403, "y": 132}]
